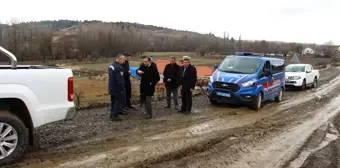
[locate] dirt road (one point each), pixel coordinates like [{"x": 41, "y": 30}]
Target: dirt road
[{"x": 298, "y": 132}]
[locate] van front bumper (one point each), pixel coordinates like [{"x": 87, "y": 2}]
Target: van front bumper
[{"x": 239, "y": 99}]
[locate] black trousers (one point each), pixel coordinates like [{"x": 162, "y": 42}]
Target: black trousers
[
  {"x": 128, "y": 94},
  {"x": 186, "y": 99},
  {"x": 117, "y": 102}
]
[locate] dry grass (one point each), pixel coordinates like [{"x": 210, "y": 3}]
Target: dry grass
[{"x": 95, "y": 91}]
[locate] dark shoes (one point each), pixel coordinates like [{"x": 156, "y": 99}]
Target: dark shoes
[
  {"x": 123, "y": 113},
  {"x": 115, "y": 118},
  {"x": 147, "y": 116},
  {"x": 184, "y": 111},
  {"x": 181, "y": 111},
  {"x": 167, "y": 106}
]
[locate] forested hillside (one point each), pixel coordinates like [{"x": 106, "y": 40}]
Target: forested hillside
[{"x": 66, "y": 39}]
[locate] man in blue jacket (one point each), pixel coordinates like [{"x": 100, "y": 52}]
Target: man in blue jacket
[{"x": 116, "y": 87}]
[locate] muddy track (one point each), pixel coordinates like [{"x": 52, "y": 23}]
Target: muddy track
[
  {"x": 230, "y": 149},
  {"x": 173, "y": 140}
]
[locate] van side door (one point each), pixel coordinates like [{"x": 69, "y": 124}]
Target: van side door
[
  {"x": 278, "y": 77},
  {"x": 264, "y": 80}
]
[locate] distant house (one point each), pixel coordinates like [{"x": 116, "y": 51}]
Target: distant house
[{"x": 308, "y": 51}]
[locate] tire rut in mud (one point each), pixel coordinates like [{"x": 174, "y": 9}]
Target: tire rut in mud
[
  {"x": 231, "y": 142},
  {"x": 326, "y": 157}
]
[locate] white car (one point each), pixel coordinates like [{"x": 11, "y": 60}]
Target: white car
[
  {"x": 30, "y": 96},
  {"x": 301, "y": 75}
]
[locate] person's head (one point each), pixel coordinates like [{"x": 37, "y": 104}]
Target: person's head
[
  {"x": 120, "y": 58},
  {"x": 186, "y": 62},
  {"x": 146, "y": 61},
  {"x": 172, "y": 60},
  {"x": 127, "y": 56},
  {"x": 180, "y": 62}
]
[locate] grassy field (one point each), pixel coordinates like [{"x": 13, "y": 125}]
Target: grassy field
[{"x": 95, "y": 91}]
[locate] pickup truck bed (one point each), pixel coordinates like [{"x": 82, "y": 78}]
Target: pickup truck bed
[{"x": 30, "y": 96}]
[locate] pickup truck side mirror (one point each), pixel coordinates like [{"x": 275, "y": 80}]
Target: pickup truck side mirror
[
  {"x": 308, "y": 71},
  {"x": 216, "y": 66}
]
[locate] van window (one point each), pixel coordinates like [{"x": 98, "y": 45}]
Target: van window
[
  {"x": 240, "y": 65},
  {"x": 278, "y": 67},
  {"x": 266, "y": 66}
]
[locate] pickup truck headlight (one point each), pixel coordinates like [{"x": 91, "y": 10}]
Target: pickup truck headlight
[{"x": 249, "y": 83}]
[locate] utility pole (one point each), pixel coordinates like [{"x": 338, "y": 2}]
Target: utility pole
[{"x": 224, "y": 41}]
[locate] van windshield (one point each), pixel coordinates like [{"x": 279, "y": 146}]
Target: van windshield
[
  {"x": 295, "y": 68},
  {"x": 240, "y": 65}
]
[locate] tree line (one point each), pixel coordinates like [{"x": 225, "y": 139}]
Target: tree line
[{"x": 66, "y": 39}]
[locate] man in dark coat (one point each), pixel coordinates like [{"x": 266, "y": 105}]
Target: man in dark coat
[
  {"x": 187, "y": 81},
  {"x": 149, "y": 78},
  {"x": 171, "y": 79},
  {"x": 127, "y": 74},
  {"x": 117, "y": 87}
]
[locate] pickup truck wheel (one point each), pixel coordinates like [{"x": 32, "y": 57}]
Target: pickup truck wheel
[
  {"x": 278, "y": 98},
  {"x": 304, "y": 85},
  {"x": 257, "y": 102},
  {"x": 13, "y": 138},
  {"x": 315, "y": 82}
]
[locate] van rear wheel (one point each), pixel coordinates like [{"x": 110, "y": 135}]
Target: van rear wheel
[
  {"x": 256, "y": 102},
  {"x": 13, "y": 138},
  {"x": 278, "y": 98}
]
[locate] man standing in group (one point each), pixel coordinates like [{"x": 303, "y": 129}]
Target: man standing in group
[
  {"x": 127, "y": 74},
  {"x": 171, "y": 79},
  {"x": 116, "y": 87},
  {"x": 188, "y": 82},
  {"x": 149, "y": 78},
  {"x": 180, "y": 63}
]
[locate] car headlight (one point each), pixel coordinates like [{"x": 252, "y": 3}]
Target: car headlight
[
  {"x": 210, "y": 79},
  {"x": 249, "y": 83}
]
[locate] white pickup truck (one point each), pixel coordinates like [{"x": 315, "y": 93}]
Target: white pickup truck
[
  {"x": 301, "y": 75},
  {"x": 30, "y": 96}
]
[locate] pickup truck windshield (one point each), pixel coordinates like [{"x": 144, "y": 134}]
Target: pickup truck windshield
[
  {"x": 295, "y": 68},
  {"x": 242, "y": 65}
]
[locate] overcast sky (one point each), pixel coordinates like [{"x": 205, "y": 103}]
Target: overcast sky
[{"x": 314, "y": 21}]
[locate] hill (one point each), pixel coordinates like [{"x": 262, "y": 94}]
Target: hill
[{"x": 66, "y": 39}]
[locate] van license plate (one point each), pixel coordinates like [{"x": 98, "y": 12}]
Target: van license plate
[{"x": 223, "y": 94}]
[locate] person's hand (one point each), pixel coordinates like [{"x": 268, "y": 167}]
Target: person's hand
[
  {"x": 169, "y": 80},
  {"x": 140, "y": 72},
  {"x": 130, "y": 73}
]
